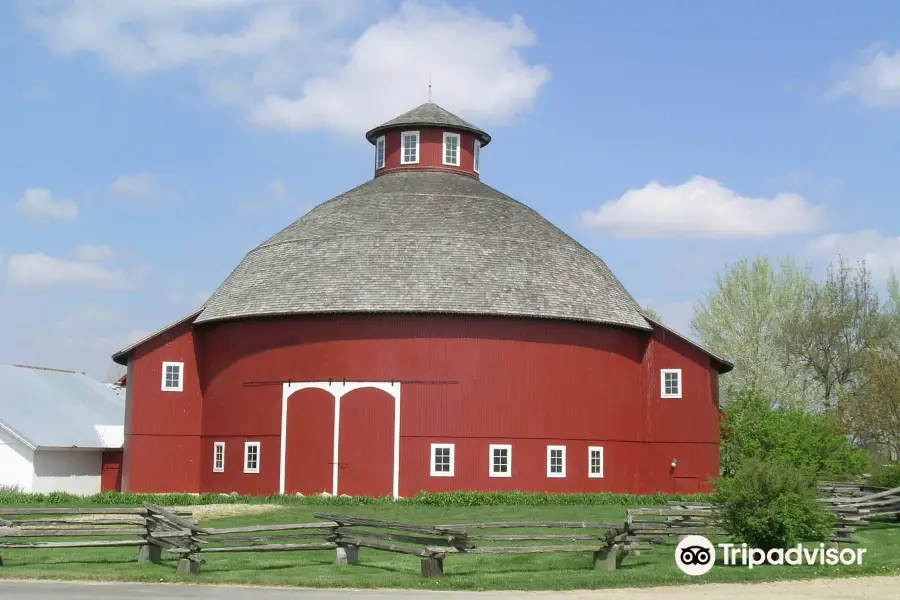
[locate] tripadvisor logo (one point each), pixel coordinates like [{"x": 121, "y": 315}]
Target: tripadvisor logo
[{"x": 696, "y": 555}]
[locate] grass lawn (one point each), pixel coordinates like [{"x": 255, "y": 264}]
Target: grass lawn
[{"x": 385, "y": 569}]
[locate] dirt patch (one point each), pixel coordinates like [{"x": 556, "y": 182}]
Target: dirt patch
[{"x": 214, "y": 511}]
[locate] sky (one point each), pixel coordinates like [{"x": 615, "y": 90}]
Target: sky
[{"x": 146, "y": 146}]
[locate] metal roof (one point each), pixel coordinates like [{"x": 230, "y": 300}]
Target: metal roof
[
  {"x": 429, "y": 115},
  {"x": 424, "y": 242},
  {"x": 51, "y": 408}
]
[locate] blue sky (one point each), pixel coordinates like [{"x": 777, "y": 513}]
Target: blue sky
[{"x": 149, "y": 144}]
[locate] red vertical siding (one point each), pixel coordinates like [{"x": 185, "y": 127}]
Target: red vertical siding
[
  {"x": 431, "y": 151},
  {"x": 162, "y": 429},
  {"x": 528, "y": 383}
]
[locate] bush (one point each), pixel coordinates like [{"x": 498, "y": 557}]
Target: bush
[
  {"x": 886, "y": 476},
  {"x": 809, "y": 441},
  {"x": 444, "y": 499},
  {"x": 770, "y": 504}
]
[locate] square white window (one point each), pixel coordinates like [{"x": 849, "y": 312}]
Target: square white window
[
  {"x": 595, "y": 462},
  {"x": 409, "y": 147},
  {"x": 451, "y": 149},
  {"x": 556, "y": 461},
  {"x": 442, "y": 460},
  {"x": 379, "y": 153},
  {"x": 219, "y": 457},
  {"x": 477, "y": 155},
  {"x": 251, "y": 457},
  {"x": 173, "y": 376},
  {"x": 670, "y": 383},
  {"x": 501, "y": 460}
]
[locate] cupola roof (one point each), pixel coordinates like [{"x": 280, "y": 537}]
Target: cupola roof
[{"x": 429, "y": 115}]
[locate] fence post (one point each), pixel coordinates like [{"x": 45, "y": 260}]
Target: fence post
[
  {"x": 150, "y": 552},
  {"x": 346, "y": 554},
  {"x": 605, "y": 559},
  {"x": 433, "y": 567}
]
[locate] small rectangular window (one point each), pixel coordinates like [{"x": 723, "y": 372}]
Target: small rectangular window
[
  {"x": 251, "y": 457},
  {"x": 379, "y": 153},
  {"x": 556, "y": 461},
  {"x": 670, "y": 383},
  {"x": 219, "y": 457},
  {"x": 501, "y": 460},
  {"x": 477, "y": 154},
  {"x": 442, "y": 460},
  {"x": 173, "y": 376},
  {"x": 595, "y": 462},
  {"x": 451, "y": 149},
  {"x": 409, "y": 147}
]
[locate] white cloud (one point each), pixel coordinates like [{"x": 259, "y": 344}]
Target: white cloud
[
  {"x": 39, "y": 202},
  {"x": 876, "y": 81},
  {"x": 141, "y": 185},
  {"x": 189, "y": 300},
  {"x": 296, "y": 65},
  {"x": 881, "y": 252},
  {"x": 93, "y": 253},
  {"x": 702, "y": 207},
  {"x": 37, "y": 270}
]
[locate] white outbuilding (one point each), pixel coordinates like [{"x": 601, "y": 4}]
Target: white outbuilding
[{"x": 60, "y": 431}]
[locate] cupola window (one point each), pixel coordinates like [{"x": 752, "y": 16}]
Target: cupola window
[
  {"x": 451, "y": 149},
  {"x": 477, "y": 154},
  {"x": 379, "y": 153},
  {"x": 410, "y": 147}
]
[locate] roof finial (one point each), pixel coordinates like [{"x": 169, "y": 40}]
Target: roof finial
[{"x": 429, "y": 88}]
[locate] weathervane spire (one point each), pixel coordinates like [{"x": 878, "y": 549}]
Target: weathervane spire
[{"x": 429, "y": 88}]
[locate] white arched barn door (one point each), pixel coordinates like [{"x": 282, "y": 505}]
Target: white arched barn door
[{"x": 338, "y": 390}]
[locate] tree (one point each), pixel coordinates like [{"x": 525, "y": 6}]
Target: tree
[
  {"x": 811, "y": 441},
  {"x": 742, "y": 319},
  {"x": 651, "y": 313},
  {"x": 871, "y": 412},
  {"x": 836, "y": 328}
]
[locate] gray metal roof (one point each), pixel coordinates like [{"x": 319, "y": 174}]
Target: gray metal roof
[
  {"x": 424, "y": 242},
  {"x": 57, "y": 409},
  {"x": 429, "y": 114}
]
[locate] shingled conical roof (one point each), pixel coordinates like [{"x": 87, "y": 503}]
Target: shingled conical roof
[
  {"x": 429, "y": 115},
  {"x": 424, "y": 242}
]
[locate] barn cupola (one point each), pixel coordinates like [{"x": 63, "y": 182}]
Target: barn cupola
[{"x": 428, "y": 138}]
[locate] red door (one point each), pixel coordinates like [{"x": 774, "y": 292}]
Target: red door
[
  {"x": 309, "y": 449},
  {"x": 366, "y": 449},
  {"x": 111, "y": 474}
]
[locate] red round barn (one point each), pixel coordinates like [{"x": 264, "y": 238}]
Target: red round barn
[{"x": 420, "y": 332}]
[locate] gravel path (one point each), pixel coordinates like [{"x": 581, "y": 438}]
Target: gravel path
[{"x": 881, "y": 588}]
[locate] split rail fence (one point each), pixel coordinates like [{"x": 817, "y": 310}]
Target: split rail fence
[
  {"x": 855, "y": 510},
  {"x": 155, "y": 530}
]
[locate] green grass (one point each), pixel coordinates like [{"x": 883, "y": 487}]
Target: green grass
[{"x": 384, "y": 569}]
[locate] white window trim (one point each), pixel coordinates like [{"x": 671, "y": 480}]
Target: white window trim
[
  {"x": 380, "y": 141},
  {"x": 662, "y": 383},
  {"x": 447, "y": 135},
  {"x": 556, "y": 475},
  {"x": 434, "y": 448},
  {"x": 247, "y": 446},
  {"x": 476, "y": 156},
  {"x": 591, "y": 450},
  {"x": 216, "y": 447},
  {"x": 180, "y": 386},
  {"x": 403, "y": 135},
  {"x": 508, "y": 449}
]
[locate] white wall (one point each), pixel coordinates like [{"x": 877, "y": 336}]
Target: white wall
[
  {"x": 15, "y": 462},
  {"x": 72, "y": 471}
]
